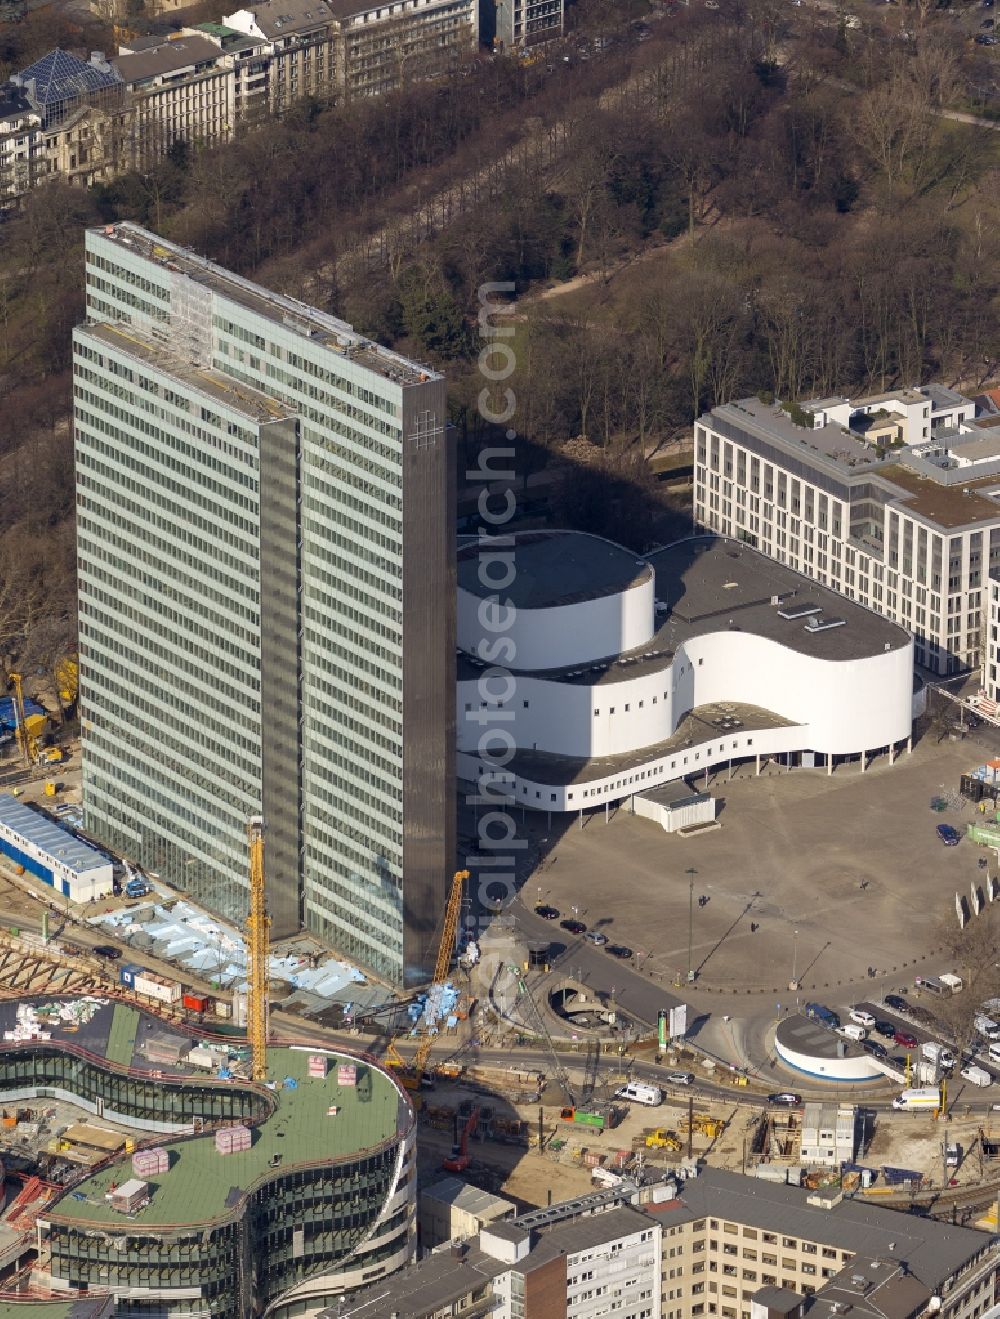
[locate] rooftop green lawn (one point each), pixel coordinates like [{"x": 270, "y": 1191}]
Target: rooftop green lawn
[
  {"x": 121, "y": 1037},
  {"x": 200, "y": 1180}
]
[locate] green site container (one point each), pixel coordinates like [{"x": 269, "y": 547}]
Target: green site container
[{"x": 589, "y": 1120}]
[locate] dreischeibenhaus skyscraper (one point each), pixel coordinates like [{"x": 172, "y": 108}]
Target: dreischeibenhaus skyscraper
[{"x": 266, "y": 565}]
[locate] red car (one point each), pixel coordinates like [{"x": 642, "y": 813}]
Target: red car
[{"x": 905, "y": 1039}]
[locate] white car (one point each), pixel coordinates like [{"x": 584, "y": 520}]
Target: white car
[
  {"x": 596, "y": 937},
  {"x": 680, "y": 1078},
  {"x": 863, "y": 1018}
]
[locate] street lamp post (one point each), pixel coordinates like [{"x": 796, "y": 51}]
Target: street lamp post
[
  {"x": 795, "y": 959},
  {"x": 691, "y": 874}
]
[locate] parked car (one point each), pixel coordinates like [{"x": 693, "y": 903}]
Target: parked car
[
  {"x": 785, "y": 1098},
  {"x": 107, "y": 950},
  {"x": 863, "y": 1017},
  {"x": 875, "y": 1049},
  {"x": 680, "y": 1078},
  {"x": 547, "y": 913},
  {"x": 897, "y": 1002},
  {"x": 618, "y": 950},
  {"x": 986, "y": 39},
  {"x": 886, "y": 1029},
  {"x": 949, "y": 835},
  {"x": 852, "y": 1031},
  {"x": 596, "y": 938},
  {"x": 905, "y": 1040},
  {"x": 574, "y": 927}
]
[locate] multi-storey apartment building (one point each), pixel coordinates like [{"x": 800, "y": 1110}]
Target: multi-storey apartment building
[
  {"x": 386, "y": 46},
  {"x": 60, "y": 116},
  {"x": 303, "y": 48},
  {"x": 87, "y": 122},
  {"x": 893, "y": 501},
  {"x": 20, "y": 144},
  {"x": 725, "y": 1236},
  {"x": 517, "y": 24},
  {"x": 725, "y": 1246},
  {"x": 267, "y": 593},
  {"x": 562, "y": 1262},
  {"x": 180, "y": 89}
]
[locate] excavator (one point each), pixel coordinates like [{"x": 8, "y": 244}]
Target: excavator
[{"x": 458, "y": 1160}]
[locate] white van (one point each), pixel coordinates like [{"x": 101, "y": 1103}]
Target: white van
[
  {"x": 937, "y": 1053},
  {"x": 927, "y": 1097},
  {"x": 994, "y": 1053},
  {"x": 976, "y": 1075},
  {"x": 852, "y": 1031},
  {"x": 986, "y": 1026},
  {"x": 640, "y": 1094}
]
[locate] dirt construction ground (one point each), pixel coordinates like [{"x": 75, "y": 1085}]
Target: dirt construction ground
[{"x": 838, "y": 874}]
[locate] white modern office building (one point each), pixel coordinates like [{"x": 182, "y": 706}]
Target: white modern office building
[
  {"x": 266, "y": 578},
  {"x": 625, "y": 673},
  {"x": 893, "y": 501}
]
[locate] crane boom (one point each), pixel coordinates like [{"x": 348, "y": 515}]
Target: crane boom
[
  {"x": 443, "y": 961},
  {"x": 257, "y": 930},
  {"x": 20, "y": 725}
]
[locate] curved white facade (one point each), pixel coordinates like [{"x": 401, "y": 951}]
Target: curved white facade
[
  {"x": 853, "y": 698},
  {"x": 853, "y": 1068},
  {"x": 612, "y": 619}
]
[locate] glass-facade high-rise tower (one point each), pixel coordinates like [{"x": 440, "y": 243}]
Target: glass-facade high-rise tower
[{"x": 266, "y": 538}]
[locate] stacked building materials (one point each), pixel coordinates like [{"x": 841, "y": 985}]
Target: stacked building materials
[
  {"x": 232, "y": 1140},
  {"x": 318, "y": 1065},
  {"x": 130, "y": 1196},
  {"x": 147, "y": 1163}
]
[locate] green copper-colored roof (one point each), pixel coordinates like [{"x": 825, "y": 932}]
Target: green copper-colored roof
[{"x": 200, "y": 1185}]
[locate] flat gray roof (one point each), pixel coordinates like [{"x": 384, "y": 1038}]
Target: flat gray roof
[
  {"x": 710, "y": 584},
  {"x": 802, "y": 1033},
  {"x": 771, "y": 423},
  {"x": 778, "y": 1298},
  {"x": 672, "y": 793},
  {"x": 421, "y": 1289},
  {"x": 166, "y": 56},
  {"x": 876, "y": 1287},
  {"x": 52, "y": 838},
  {"x": 933, "y": 1251},
  {"x": 557, "y": 568},
  {"x": 213, "y": 385},
  {"x": 462, "y": 1195},
  {"x": 309, "y": 322},
  {"x": 941, "y": 397},
  {"x": 697, "y": 729},
  {"x": 703, "y": 584}
]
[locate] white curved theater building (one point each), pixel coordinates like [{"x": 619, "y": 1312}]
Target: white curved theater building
[{"x": 609, "y": 674}]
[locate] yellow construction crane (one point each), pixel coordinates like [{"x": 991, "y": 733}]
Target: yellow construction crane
[
  {"x": 413, "y": 1074},
  {"x": 24, "y": 739},
  {"x": 258, "y": 950}
]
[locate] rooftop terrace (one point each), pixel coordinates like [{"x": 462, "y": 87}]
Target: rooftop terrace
[
  {"x": 771, "y": 423},
  {"x": 202, "y": 1185}
]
